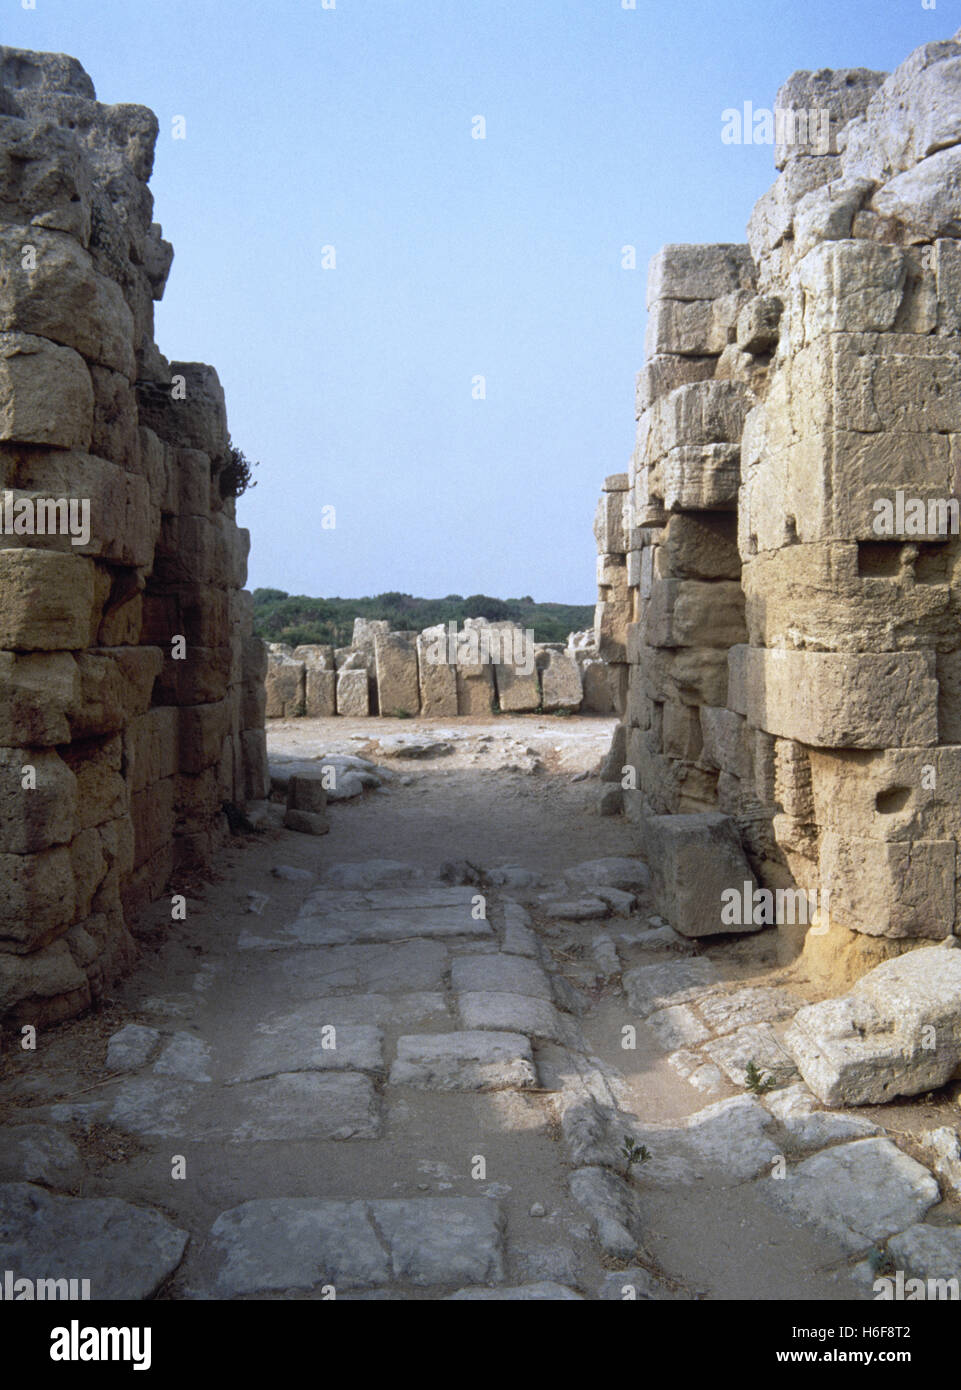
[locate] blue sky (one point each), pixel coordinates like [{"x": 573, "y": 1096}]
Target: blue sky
[{"x": 455, "y": 257}]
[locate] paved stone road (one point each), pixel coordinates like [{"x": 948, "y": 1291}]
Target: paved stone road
[{"x": 377, "y": 1084}]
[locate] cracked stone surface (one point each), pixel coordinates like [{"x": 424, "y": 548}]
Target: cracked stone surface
[
  {"x": 125, "y": 1251},
  {"x": 860, "y": 1192},
  {"x": 652, "y": 987},
  {"x": 310, "y": 1040},
  {"x": 467, "y": 1061}
]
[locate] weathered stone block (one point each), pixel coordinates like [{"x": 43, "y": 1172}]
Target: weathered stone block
[
  {"x": 352, "y": 696},
  {"x": 46, "y": 396},
  {"x": 398, "y": 686},
  {"x": 47, "y": 600}
]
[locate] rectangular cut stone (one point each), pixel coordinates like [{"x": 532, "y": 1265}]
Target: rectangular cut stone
[
  {"x": 353, "y": 699},
  {"x": 699, "y": 477},
  {"x": 46, "y": 395},
  {"x": 332, "y": 918},
  {"x": 561, "y": 682},
  {"x": 890, "y": 887},
  {"x": 47, "y": 600},
  {"x": 518, "y": 691},
  {"x": 398, "y": 685},
  {"x": 466, "y": 1061},
  {"x": 682, "y": 271},
  {"x": 838, "y": 699},
  {"x": 692, "y": 613},
  {"x": 694, "y": 859},
  {"x": 438, "y": 678},
  {"x": 320, "y": 692}
]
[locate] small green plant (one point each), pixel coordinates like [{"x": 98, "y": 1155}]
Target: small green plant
[
  {"x": 633, "y": 1153},
  {"x": 757, "y": 1083},
  {"x": 401, "y": 714},
  {"x": 563, "y": 713}
]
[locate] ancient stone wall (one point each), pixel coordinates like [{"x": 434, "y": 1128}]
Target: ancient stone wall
[
  {"x": 793, "y": 558},
  {"x": 131, "y": 686},
  {"x": 442, "y": 672}
]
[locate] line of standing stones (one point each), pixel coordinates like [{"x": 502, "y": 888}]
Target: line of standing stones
[
  {"x": 131, "y": 685},
  {"x": 396, "y": 673},
  {"x": 794, "y": 702}
]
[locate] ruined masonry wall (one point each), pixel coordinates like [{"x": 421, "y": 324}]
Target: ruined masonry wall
[
  {"x": 132, "y": 750},
  {"x": 791, "y": 668}
]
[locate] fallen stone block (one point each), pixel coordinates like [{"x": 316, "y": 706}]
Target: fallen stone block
[
  {"x": 696, "y": 859},
  {"x": 896, "y": 1033}
]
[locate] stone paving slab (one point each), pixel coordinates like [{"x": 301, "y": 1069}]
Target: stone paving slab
[
  {"x": 928, "y": 1252},
  {"x": 309, "y": 1041},
  {"x": 755, "y": 1043},
  {"x": 272, "y": 1244},
  {"x": 499, "y": 973},
  {"x": 443, "y": 1240},
  {"x": 407, "y": 965},
  {"x": 677, "y": 1026},
  {"x": 652, "y": 987},
  {"x": 295, "y": 1105},
  {"x": 724, "y": 1144},
  {"x": 514, "y": 1013},
  {"x": 334, "y": 918},
  {"x": 612, "y": 1206},
  {"x": 125, "y": 1251},
  {"x": 466, "y": 1061},
  {"x": 723, "y": 1013},
  {"x": 39, "y": 1153},
  {"x": 185, "y": 1057},
  {"x": 860, "y": 1193}
]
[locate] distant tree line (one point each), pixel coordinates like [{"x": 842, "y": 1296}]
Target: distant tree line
[{"x": 295, "y": 618}]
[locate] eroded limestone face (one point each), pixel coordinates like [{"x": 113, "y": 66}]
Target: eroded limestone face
[
  {"x": 131, "y": 685},
  {"x": 793, "y": 557}
]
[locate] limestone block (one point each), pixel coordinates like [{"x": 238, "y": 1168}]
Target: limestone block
[
  {"x": 726, "y": 745},
  {"x": 320, "y": 692},
  {"x": 890, "y": 888},
  {"x": 561, "y": 682},
  {"x": 706, "y": 412},
  {"x": 398, "y": 685},
  {"x": 897, "y": 1032},
  {"x": 102, "y": 794},
  {"x": 837, "y": 700},
  {"x": 611, "y": 523},
  {"x": 665, "y": 373},
  {"x": 601, "y": 688},
  {"x": 699, "y": 478},
  {"x": 699, "y": 546},
  {"x": 829, "y": 213},
  {"x": 195, "y": 419},
  {"x": 693, "y": 328},
  {"x": 927, "y": 198},
  {"x": 151, "y": 747},
  {"x": 38, "y": 795},
  {"x": 898, "y": 381},
  {"x": 352, "y": 696},
  {"x": 36, "y": 692},
  {"x": 902, "y": 794},
  {"x": 616, "y": 482},
  {"x": 57, "y": 294},
  {"x": 201, "y": 730},
  {"x": 438, "y": 679},
  {"x": 698, "y": 272},
  {"x": 692, "y": 613},
  {"x": 36, "y": 897},
  {"x": 843, "y": 93},
  {"x": 681, "y": 731},
  {"x": 611, "y": 618},
  {"x": 286, "y": 688},
  {"x": 947, "y": 270},
  {"x": 758, "y": 324},
  {"x": 693, "y": 860},
  {"x": 256, "y": 777},
  {"x": 48, "y": 176},
  {"x": 47, "y": 600},
  {"x": 696, "y": 675},
  {"x": 913, "y": 114},
  {"x": 851, "y": 287},
  {"x": 772, "y": 219},
  {"x": 46, "y": 396},
  {"x": 518, "y": 690},
  {"x": 315, "y": 655},
  {"x": 115, "y": 686},
  {"x": 366, "y": 632}
]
